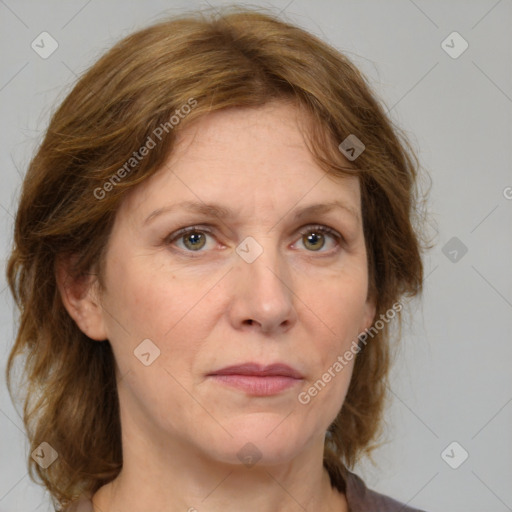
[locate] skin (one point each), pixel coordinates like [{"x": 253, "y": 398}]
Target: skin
[{"x": 209, "y": 308}]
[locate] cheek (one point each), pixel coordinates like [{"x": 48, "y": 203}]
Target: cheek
[
  {"x": 338, "y": 306},
  {"x": 336, "y": 312},
  {"x": 150, "y": 302}
]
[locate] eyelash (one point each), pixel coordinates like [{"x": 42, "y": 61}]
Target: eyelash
[{"x": 318, "y": 228}]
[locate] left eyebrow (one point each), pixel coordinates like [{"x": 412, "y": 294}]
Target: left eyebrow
[
  {"x": 325, "y": 208},
  {"x": 221, "y": 212}
]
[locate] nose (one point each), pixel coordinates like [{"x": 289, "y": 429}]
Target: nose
[{"x": 263, "y": 297}]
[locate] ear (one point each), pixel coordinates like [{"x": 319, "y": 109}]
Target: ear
[
  {"x": 369, "y": 313},
  {"x": 81, "y": 299}
]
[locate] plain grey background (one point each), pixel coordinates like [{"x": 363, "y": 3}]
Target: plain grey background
[{"x": 452, "y": 380}]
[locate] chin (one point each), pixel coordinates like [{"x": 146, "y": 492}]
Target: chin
[{"x": 259, "y": 439}]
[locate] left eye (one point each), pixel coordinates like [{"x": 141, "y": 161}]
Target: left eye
[
  {"x": 315, "y": 234},
  {"x": 194, "y": 237}
]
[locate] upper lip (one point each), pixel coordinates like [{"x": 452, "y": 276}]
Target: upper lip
[{"x": 276, "y": 369}]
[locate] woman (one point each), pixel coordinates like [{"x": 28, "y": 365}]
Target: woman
[{"x": 211, "y": 244}]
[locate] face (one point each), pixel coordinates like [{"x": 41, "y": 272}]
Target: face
[{"x": 263, "y": 279}]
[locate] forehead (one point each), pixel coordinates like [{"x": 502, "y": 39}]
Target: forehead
[
  {"x": 271, "y": 131},
  {"x": 243, "y": 158}
]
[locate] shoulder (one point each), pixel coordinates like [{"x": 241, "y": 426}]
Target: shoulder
[{"x": 362, "y": 499}]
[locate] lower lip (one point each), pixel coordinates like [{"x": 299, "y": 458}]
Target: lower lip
[{"x": 255, "y": 385}]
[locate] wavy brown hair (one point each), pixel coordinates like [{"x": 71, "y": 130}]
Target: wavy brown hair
[{"x": 234, "y": 58}]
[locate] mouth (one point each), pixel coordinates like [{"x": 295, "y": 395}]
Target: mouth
[{"x": 258, "y": 380}]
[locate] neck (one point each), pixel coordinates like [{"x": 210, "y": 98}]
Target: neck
[{"x": 196, "y": 486}]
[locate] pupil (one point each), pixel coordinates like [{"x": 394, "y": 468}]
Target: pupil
[
  {"x": 313, "y": 238},
  {"x": 194, "y": 238}
]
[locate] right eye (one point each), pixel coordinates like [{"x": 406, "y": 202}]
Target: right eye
[{"x": 194, "y": 238}]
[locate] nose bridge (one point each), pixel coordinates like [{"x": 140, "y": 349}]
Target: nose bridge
[
  {"x": 262, "y": 263},
  {"x": 264, "y": 290}
]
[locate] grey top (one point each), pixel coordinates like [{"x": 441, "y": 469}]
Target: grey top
[
  {"x": 359, "y": 499},
  {"x": 362, "y": 499}
]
